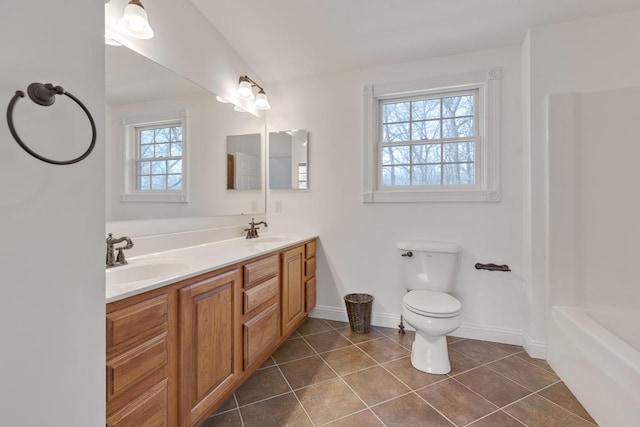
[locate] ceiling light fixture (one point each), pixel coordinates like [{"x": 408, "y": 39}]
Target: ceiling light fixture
[
  {"x": 245, "y": 91},
  {"x": 134, "y": 21}
]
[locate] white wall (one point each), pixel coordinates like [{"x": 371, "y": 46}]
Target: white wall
[
  {"x": 579, "y": 56},
  {"x": 52, "y": 220},
  {"x": 209, "y": 122},
  {"x": 357, "y": 241}
]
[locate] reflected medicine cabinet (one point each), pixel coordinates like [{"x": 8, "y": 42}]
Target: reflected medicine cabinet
[{"x": 288, "y": 160}]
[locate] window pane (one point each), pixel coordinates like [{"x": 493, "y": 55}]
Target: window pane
[
  {"x": 457, "y": 128},
  {"x": 176, "y": 133},
  {"x": 396, "y": 132},
  {"x": 146, "y": 150},
  {"x": 395, "y": 155},
  {"x": 162, "y": 135},
  {"x": 400, "y": 112},
  {"x": 458, "y": 152},
  {"x": 425, "y": 130},
  {"x": 176, "y": 149},
  {"x": 162, "y": 150},
  {"x": 146, "y": 136},
  {"x": 428, "y": 153},
  {"x": 458, "y": 174},
  {"x": 426, "y": 109},
  {"x": 395, "y": 175},
  {"x": 144, "y": 183},
  {"x": 159, "y": 182},
  {"x": 457, "y": 106},
  {"x": 174, "y": 182},
  {"x": 425, "y": 175},
  {"x": 159, "y": 167},
  {"x": 144, "y": 168},
  {"x": 175, "y": 166}
]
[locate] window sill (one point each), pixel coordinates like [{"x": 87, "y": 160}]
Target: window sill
[
  {"x": 155, "y": 197},
  {"x": 445, "y": 195}
]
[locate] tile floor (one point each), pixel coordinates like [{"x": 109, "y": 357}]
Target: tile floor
[{"x": 327, "y": 375}]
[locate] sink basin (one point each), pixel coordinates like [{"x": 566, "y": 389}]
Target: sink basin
[{"x": 145, "y": 271}]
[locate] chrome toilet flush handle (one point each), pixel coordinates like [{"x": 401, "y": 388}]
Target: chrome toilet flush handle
[{"x": 408, "y": 254}]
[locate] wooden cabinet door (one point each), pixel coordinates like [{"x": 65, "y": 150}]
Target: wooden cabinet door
[
  {"x": 293, "y": 295},
  {"x": 210, "y": 343}
]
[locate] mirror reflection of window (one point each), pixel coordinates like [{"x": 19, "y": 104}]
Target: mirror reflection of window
[{"x": 288, "y": 162}]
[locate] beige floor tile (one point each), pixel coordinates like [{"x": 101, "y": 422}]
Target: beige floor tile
[
  {"x": 456, "y": 402},
  {"x": 479, "y": 351},
  {"x": 329, "y": 400},
  {"x": 405, "y": 340},
  {"x": 261, "y": 385},
  {"x": 292, "y": 350},
  {"x": 524, "y": 373},
  {"x": 460, "y": 363},
  {"x": 313, "y": 326},
  {"x": 405, "y": 372},
  {"x": 561, "y": 395},
  {"x": 497, "y": 419},
  {"x": 375, "y": 385},
  {"x": 409, "y": 411},
  {"x": 492, "y": 386},
  {"x": 348, "y": 360},
  {"x": 358, "y": 338},
  {"x": 361, "y": 419},
  {"x": 384, "y": 350},
  {"x": 537, "y": 411},
  {"x": 540, "y": 363},
  {"x": 304, "y": 372},
  {"x": 281, "y": 411},
  {"x": 227, "y": 419},
  {"x": 327, "y": 341}
]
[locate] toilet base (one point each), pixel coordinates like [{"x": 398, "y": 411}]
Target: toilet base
[{"x": 430, "y": 356}]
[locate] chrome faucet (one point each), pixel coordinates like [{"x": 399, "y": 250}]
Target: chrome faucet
[
  {"x": 116, "y": 260},
  {"x": 252, "y": 232}
]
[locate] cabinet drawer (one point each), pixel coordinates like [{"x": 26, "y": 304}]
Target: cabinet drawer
[
  {"x": 130, "y": 367},
  {"x": 137, "y": 321},
  {"x": 260, "y": 334},
  {"x": 150, "y": 410},
  {"x": 310, "y": 267},
  {"x": 260, "y": 294},
  {"x": 256, "y": 272},
  {"x": 310, "y": 249},
  {"x": 310, "y": 294}
]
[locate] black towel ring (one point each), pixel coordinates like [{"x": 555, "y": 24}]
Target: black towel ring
[{"x": 45, "y": 94}]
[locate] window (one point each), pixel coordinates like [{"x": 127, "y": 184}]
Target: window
[
  {"x": 156, "y": 161},
  {"x": 433, "y": 140},
  {"x": 302, "y": 175}
]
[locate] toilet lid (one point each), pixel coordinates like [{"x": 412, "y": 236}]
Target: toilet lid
[{"x": 432, "y": 303}]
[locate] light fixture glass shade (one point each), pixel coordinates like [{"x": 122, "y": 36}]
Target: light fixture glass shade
[
  {"x": 239, "y": 109},
  {"x": 244, "y": 89},
  {"x": 262, "y": 103},
  {"x": 134, "y": 21}
]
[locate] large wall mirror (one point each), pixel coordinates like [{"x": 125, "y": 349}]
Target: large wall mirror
[
  {"x": 288, "y": 160},
  {"x": 138, "y": 90}
]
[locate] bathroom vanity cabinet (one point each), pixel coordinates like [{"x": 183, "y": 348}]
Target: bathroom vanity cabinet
[{"x": 174, "y": 354}]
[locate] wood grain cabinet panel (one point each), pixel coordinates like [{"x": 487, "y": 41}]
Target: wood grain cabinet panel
[
  {"x": 260, "y": 334},
  {"x": 210, "y": 342},
  {"x": 130, "y": 367},
  {"x": 137, "y": 321},
  {"x": 310, "y": 249},
  {"x": 310, "y": 297},
  {"x": 255, "y": 272},
  {"x": 293, "y": 296},
  {"x": 150, "y": 410},
  {"x": 260, "y": 294}
]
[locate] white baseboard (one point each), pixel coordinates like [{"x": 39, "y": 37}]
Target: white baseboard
[{"x": 535, "y": 349}]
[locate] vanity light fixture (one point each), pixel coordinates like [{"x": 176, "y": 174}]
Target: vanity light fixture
[
  {"x": 134, "y": 21},
  {"x": 245, "y": 91}
]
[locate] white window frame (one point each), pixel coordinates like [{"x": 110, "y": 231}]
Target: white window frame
[
  {"x": 131, "y": 125},
  {"x": 487, "y": 156}
]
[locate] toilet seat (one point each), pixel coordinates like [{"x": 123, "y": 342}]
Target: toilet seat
[{"x": 432, "y": 304}]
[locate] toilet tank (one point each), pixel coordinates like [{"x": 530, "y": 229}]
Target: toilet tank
[{"x": 433, "y": 266}]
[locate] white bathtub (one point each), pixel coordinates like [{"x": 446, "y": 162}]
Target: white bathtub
[{"x": 596, "y": 352}]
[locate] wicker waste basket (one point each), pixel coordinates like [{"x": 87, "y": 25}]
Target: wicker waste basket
[{"x": 359, "y": 311}]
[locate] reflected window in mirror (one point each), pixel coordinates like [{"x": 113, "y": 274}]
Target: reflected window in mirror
[
  {"x": 288, "y": 160},
  {"x": 156, "y": 160}
]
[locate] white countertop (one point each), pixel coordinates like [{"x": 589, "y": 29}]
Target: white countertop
[{"x": 148, "y": 272}]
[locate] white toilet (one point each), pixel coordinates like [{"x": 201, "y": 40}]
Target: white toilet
[{"x": 429, "y": 271}]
